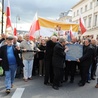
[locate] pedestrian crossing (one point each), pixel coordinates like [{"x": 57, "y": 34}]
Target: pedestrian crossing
[
  {"x": 18, "y": 93},
  {"x": 15, "y": 93}
]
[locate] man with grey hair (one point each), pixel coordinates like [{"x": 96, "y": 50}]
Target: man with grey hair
[
  {"x": 54, "y": 38},
  {"x": 61, "y": 40},
  {"x": 58, "y": 62},
  {"x": 48, "y": 60},
  {"x": 28, "y": 57}
]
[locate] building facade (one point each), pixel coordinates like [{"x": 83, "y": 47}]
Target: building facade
[
  {"x": 66, "y": 16},
  {"x": 88, "y": 9}
]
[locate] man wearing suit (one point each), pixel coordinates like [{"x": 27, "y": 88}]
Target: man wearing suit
[
  {"x": 94, "y": 61},
  {"x": 85, "y": 62},
  {"x": 48, "y": 60},
  {"x": 71, "y": 65},
  {"x": 58, "y": 62}
]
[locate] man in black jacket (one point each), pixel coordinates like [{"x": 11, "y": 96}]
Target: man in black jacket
[
  {"x": 71, "y": 65},
  {"x": 58, "y": 62},
  {"x": 10, "y": 61},
  {"x": 94, "y": 59},
  {"x": 48, "y": 60},
  {"x": 85, "y": 62}
]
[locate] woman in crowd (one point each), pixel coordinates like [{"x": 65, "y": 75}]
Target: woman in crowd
[{"x": 41, "y": 54}]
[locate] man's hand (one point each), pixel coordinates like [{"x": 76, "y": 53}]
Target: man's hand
[
  {"x": 24, "y": 50},
  {"x": 69, "y": 60},
  {"x": 18, "y": 48},
  {"x": 78, "y": 60},
  {"x": 66, "y": 49}
]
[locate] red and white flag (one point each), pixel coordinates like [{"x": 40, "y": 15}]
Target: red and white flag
[
  {"x": 15, "y": 32},
  {"x": 8, "y": 19},
  {"x": 82, "y": 26},
  {"x": 34, "y": 27}
]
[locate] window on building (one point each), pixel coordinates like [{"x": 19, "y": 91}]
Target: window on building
[
  {"x": 85, "y": 20},
  {"x": 77, "y": 12},
  {"x": 85, "y": 7},
  {"x": 89, "y": 21},
  {"x": 90, "y": 5},
  {"x": 70, "y": 20},
  {"x": 95, "y": 20},
  {"x": 81, "y": 10},
  {"x": 77, "y": 21},
  {"x": 74, "y": 14},
  {"x": 96, "y": 2}
]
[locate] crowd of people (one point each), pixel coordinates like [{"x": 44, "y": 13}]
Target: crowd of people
[{"x": 46, "y": 57}]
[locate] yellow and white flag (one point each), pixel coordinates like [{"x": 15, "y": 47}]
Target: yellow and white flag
[{"x": 49, "y": 27}]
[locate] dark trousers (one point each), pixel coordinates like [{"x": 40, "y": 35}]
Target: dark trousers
[
  {"x": 84, "y": 69},
  {"x": 48, "y": 72},
  {"x": 19, "y": 72},
  {"x": 57, "y": 76},
  {"x": 35, "y": 65},
  {"x": 93, "y": 69},
  {"x": 70, "y": 70}
]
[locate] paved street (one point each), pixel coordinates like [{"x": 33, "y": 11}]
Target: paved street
[{"x": 36, "y": 89}]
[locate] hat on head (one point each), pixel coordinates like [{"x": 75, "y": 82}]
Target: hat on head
[{"x": 10, "y": 38}]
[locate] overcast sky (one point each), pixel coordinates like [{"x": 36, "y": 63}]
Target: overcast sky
[{"x": 26, "y": 9}]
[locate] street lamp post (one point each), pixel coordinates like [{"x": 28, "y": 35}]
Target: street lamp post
[
  {"x": 2, "y": 16},
  {"x": 17, "y": 18}
]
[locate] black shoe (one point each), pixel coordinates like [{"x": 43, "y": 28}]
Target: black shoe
[
  {"x": 55, "y": 87},
  {"x": 80, "y": 81},
  {"x": 60, "y": 85},
  {"x": 93, "y": 78},
  {"x": 48, "y": 84},
  {"x": 65, "y": 80},
  {"x": 87, "y": 81},
  {"x": 7, "y": 91},
  {"x": 71, "y": 81},
  {"x": 81, "y": 84}
]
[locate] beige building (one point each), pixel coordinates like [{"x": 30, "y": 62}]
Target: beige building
[
  {"x": 66, "y": 16},
  {"x": 89, "y": 12}
]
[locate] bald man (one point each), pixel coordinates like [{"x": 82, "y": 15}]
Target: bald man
[
  {"x": 94, "y": 61},
  {"x": 48, "y": 60}
]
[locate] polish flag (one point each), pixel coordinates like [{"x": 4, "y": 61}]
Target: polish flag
[
  {"x": 15, "y": 32},
  {"x": 8, "y": 19},
  {"x": 34, "y": 27},
  {"x": 82, "y": 26}
]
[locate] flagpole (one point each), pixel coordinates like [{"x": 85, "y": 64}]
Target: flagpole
[{"x": 2, "y": 16}]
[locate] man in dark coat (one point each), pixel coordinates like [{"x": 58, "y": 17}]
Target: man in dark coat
[
  {"x": 94, "y": 59},
  {"x": 48, "y": 60},
  {"x": 10, "y": 61},
  {"x": 85, "y": 62},
  {"x": 58, "y": 62},
  {"x": 71, "y": 65}
]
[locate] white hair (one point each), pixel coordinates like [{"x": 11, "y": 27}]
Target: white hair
[{"x": 53, "y": 37}]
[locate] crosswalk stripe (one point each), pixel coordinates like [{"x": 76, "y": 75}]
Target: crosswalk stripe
[{"x": 18, "y": 93}]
